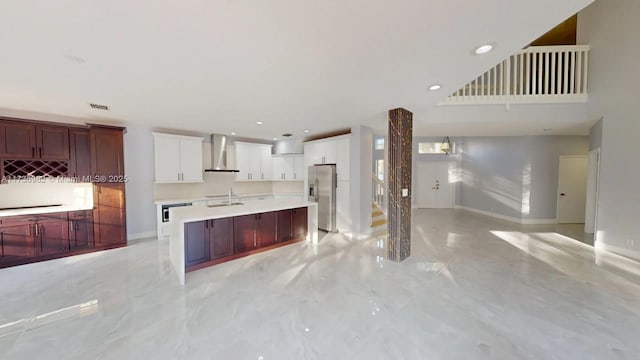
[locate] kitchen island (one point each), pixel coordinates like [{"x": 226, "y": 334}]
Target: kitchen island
[{"x": 202, "y": 236}]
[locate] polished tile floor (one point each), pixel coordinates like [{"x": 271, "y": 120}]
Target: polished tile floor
[{"x": 474, "y": 288}]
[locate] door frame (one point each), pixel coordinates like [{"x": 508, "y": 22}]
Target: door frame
[
  {"x": 558, "y": 190},
  {"x": 453, "y": 186},
  {"x": 593, "y": 193}
]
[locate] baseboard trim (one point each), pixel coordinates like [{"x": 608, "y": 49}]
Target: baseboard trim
[
  {"x": 628, "y": 253},
  {"x": 507, "y": 218},
  {"x": 141, "y": 235}
]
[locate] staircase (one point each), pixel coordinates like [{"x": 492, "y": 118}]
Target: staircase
[
  {"x": 378, "y": 214},
  {"x": 378, "y": 220}
]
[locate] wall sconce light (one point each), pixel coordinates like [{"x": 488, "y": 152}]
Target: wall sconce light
[{"x": 445, "y": 146}]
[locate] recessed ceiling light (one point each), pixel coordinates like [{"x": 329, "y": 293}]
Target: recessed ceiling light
[
  {"x": 481, "y": 50},
  {"x": 306, "y": 131},
  {"x": 435, "y": 87},
  {"x": 259, "y": 122},
  {"x": 233, "y": 133},
  {"x": 275, "y": 138}
]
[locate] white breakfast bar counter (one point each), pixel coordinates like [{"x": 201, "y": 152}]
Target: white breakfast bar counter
[{"x": 182, "y": 215}]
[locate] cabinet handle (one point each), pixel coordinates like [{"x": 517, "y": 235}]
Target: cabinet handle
[
  {"x": 33, "y": 151},
  {"x": 71, "y": 227},
  {"x": 262, "y": 176},
  {"x": 40, "y": 151},
  {"x": 36, "y": 226},
  {"x": 206, "y": 224},
  {"x": 178, "y": 176}
]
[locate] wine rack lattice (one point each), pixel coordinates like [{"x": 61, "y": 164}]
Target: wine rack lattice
[{"x": 22, "y": 168}]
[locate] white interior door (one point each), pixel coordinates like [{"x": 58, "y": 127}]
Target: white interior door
[
  {"x": 435, "y": 189},
  {"x": 572, "y": 189}
]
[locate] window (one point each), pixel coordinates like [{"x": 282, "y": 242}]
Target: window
[
  {"x": 380, "y": 144},
  {"x": 380, "y": 169},
  {"x": 433, "y": 148}
]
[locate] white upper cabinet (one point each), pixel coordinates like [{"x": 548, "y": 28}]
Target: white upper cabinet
[
  {"x": 266, "y": 165},
  {"x": 191, "y": 160},
  {"x": 253, "y": 161},
  {"x": 335, "y": 150},
  {"x": 299, "y": 170},
  {"x": 177, "y": 158},
  {"x": 288, "y": 167}
]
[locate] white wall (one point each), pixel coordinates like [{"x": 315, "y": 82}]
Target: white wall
[
  {"x": 361, "y": 182},
  {"x": 514, "y": 176},
  {"x": 139, "y": 168},
  {"x": 611, "y": 28}
]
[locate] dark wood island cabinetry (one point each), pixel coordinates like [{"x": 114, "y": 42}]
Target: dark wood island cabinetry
[{"x": 214, "y": 241}]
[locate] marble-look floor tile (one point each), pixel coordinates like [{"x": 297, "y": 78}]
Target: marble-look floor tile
[{"x": 474, "y": 288}]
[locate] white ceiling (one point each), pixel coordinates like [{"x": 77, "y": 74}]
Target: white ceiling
[{"x": 220, "y": 66}]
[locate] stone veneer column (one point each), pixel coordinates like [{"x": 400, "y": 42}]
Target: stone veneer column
[{"x": 399, "y": 178}]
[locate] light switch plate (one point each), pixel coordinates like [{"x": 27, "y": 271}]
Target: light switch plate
[{"x": 405, "y": 192}]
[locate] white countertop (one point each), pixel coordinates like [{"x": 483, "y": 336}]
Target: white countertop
[
  {"x": 200, "y": 212},
  {"x": 42, "y": 210},
  {"x": 219, "y": 197}
]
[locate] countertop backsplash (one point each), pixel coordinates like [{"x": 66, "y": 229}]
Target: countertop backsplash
[
  {"x": 22, "y": 194},
  {"x": 220, "y": 183}
]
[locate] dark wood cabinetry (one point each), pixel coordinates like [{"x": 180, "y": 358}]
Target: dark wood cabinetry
[
  {"x": 266, "y": 229},
  {"x": 80, "y": 157},
  {"x": 244, "y": 235},
  {"x": 107, "y": 152},
  {"x": 17, "y": 238},
  {"x": 27, "y": 141},
  {"x": 109, "y": 214},
  {"x": 52, "y": 143},
  {"x": 17, "y": 140},
  {"x": 89, "y": 154},
  {"x": 299, "y": 223},
  {"x": 207, "y": 240},
  {"x": 254, "y": 231},
  {"x": 52, "y": 234},
  {"x": 107, "y": 167},
  {"x": 292, "y": 224},
  {"x": 196, "y": 242},
  {"x": 32, "y": 238},
  {"x": 80, "y": 230},
  {"x": 220, "y": 238},
  {"x": 214, "y": 241}
]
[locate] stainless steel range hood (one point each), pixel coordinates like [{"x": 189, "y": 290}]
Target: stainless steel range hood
[{"x": 219, "y": 154}]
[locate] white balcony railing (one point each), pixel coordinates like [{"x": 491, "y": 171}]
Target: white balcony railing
[{"x": 537, "y": 74}]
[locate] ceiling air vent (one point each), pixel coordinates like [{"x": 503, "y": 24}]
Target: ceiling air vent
[
  {"x": 99, "y": 107},
  {"x": 287, "y": 135}
]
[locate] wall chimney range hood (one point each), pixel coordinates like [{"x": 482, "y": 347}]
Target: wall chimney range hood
[{"x": 219, "y": 154}]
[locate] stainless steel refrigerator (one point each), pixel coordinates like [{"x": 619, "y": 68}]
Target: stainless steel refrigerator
[{"x": 322, "y": 190}]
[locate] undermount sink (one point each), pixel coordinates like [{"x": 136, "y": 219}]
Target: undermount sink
[{"x": 221, "y": 205}]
